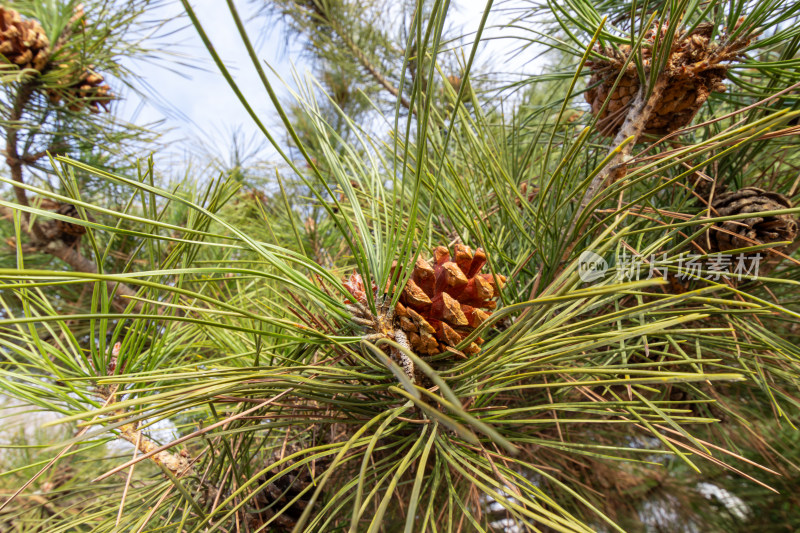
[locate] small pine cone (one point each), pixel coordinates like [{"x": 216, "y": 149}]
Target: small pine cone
[
  {"x": 527, "y": 192},
  {"x": 756, "y": 230},
  {"x": 281, "y": 491},
  {"x": 23, "y": 42},
  {"x": 87, "y": 91},
  {"x": 692, "y": 75},
  {"x": 444, "y": 300},
  {"x": 66, "y": 232},
  {"x": 455, "y": 82}
]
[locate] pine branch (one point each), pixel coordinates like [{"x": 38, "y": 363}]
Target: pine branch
[
  {"x": 617, "y": 167},
  {"x": 13, "y": 160},
  {"x": 360, "y": 56},
  {"x": 178, "y": 464},
  {"x": 372, "y": 69},
  {"x": 634, "y": 125},
  {"x": 55, "y": 149},
  {"x": 42, "y": 240}
]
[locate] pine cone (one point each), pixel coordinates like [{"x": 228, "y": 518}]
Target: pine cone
[
  {"x": 442, "y": 302},
  {"x": 284, "y": 489},
  {"x": 455, "y": 82},
  {"x": 445, "y": 300},
  {"x": 529, "y": 193},
  {"x": 747, "y": 232},
  {"x": 23, "y": 42},
  {"x": 703, "y": 188},
  {"x": 692, "y": 71},
  {"x": 66, "y": 232},
  {"x": 88, "y": 91}
]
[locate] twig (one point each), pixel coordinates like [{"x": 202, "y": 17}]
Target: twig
[
  {"x": 13, "y": 160},
  {"x": 177, "y": 463},
  {"x": 617, "y": 167},
  {"x": 408, "y": 364},
  {"x": 367, "y": 64},
  {"x": 55, "y": 149},
  {"x": 193, "y": 435}
]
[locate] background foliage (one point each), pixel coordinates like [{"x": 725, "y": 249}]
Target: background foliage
[{"x": 215, "y": 307}]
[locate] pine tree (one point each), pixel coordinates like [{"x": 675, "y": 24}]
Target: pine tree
[{"x": 576, "y": 312}]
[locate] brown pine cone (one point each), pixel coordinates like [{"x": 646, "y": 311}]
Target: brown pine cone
[
  {"x": 445, "y": 300},
  {"x": 693, "y": 73},
  {"x": 87, "y": 91},
  {"x": 68, "y": 228},
  {"x": 23, "y": 42},
  {"x": 757, "y": 229},
  {"x": 281, "y": 491},
  {"x": 442, "y": 302},
  {"x": 703, "y": 188},
  {"x": 455, "y": 82},
  {"x": 66, "y": 232}
]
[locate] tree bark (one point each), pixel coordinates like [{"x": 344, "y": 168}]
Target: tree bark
[{"x": 12, "y": 155}]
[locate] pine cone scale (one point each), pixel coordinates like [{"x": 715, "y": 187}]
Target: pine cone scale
[
  {"x": 448, "y": 309},
  {"x": 450, "y": 279},
  {"x": 415, "y": 296}
]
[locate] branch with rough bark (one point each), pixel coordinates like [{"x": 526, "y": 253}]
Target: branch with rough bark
[
  {"x": 13, "y": 159},
  {"x": 177, "y": 463},
  {"x": 638, "y": 115},
  {"x": 617, "y": 168}
]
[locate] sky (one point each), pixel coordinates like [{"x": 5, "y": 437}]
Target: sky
[{"x": 195, "y": 105}]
